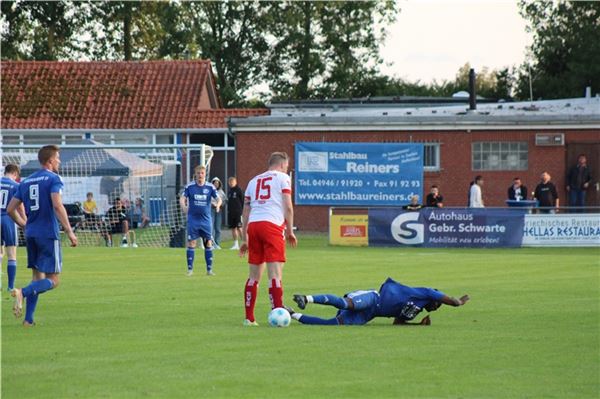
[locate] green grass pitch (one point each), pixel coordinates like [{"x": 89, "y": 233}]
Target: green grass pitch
[{"x": 128, "y": 323}]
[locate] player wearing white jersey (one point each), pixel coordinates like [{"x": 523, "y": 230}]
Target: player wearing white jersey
[{"x": 268, "y": 219}]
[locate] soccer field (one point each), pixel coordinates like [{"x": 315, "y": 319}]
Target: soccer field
[{"x": 128, "y": 323}]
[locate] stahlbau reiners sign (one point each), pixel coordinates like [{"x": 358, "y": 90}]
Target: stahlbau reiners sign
[{"x": 358, "y": 174}]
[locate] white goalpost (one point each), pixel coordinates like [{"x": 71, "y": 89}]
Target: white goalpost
[{"x": 147, "y": 179}]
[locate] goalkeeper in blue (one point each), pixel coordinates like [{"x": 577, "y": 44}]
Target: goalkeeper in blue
[
  {"x": 393, "y": 299},
  {"x": 195, "y": 202}
]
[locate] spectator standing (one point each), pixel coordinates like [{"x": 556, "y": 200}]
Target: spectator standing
[
  {"x": 414, "y": 204},
  {"x": 578, "y": 181},
  {"x": 268, "y": 218},
  {"x": 138, "y": 215},
  {"x": 517, "y": 191},
  {"x": 235, "y": 205},
  {"x": 546, "y": 194},
  {"x": 41, "y": 196},
  {"x": 434, "y": 199},
  {"x": 475, "y": 195},
  {"x": 217, "y": 212}
]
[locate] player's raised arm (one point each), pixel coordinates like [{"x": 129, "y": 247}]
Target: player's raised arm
[{"x": 63, "y": 218}]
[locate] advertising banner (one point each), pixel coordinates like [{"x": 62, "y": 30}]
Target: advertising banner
[
  {"x": 562, "y": 230},
  {"x": 358, "y": 174},
  {"x": 349, "y": 230},
  {"x": 435, "y": 227}
]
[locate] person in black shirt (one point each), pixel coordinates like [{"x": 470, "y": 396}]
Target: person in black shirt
[
  {"x": 118, "y": 223},
  {"x": 414, "y": 204},
  {"x": 546, "y": 194},
  {"x": 434, "y": 199},
  {"x": 235, "y": 206},
  {"x": 517, "y": 192},
  {"x": 578, "y": 181}
]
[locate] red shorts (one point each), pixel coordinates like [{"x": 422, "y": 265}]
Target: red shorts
[{"x": 266, "y": 243}]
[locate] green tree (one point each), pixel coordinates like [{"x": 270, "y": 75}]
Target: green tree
[
  {"x": 232, "y": 35},
  {"x": 124, "y": 30},
  {"x": 565, "y": 54},
  {"x": 324, "y": 49},
  {"x": 37, "y": 30}
]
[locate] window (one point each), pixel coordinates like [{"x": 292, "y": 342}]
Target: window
[
  {"x": 431, "y": 157},
  {"x": 499, "y": 155}
]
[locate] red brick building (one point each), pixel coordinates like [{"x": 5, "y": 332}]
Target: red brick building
[{"x": 498, "y": 141}]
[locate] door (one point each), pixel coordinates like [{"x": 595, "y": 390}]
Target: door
[{"x": 592, "y": 153}]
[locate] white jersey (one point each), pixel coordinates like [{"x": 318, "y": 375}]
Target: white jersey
[{"x": 265, "y": 193}]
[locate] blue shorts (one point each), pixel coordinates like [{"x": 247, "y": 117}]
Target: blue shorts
[
  {"x": 44, "y": 255},
  {"x": 365, "y": 308},
  {"x": 8, "y": 232},
  {"x": 195, "y": 231}
]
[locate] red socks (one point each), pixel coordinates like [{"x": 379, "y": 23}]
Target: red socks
[
  {"x": 276, "y": 294},
  {"x": 250, "y": 292}
]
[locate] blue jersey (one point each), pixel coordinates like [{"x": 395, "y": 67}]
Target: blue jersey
[
  {"x": 35, "y": 193},
  {"x": 397, "y": 300},
  {"x": 8, "y": 188},
  {"x": 199, "y": 202}
]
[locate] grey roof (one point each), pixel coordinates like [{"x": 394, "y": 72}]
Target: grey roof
[{"x": 576, "y": 112}]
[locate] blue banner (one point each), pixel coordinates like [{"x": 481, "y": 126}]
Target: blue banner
[
  {"x": 358, "y": 174},
  {"x": 435, "y": 227}
]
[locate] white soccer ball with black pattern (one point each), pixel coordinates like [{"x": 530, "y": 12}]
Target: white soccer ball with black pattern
[{"x": 279, "y": 317}]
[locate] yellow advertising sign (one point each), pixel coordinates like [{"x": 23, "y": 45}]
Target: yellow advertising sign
[{"x": 349, "y": 230}]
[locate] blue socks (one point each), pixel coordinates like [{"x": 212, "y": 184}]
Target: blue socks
[
  {"x": 330, "y": 300},
  {"x": 38, "y": 287},
  {"x": 208, "y": 257},
  {"x": 31, "y": 293},
  {"x": 304, "y": 319},
  {"x": 30, "y": 307},
  {"x": 190, "y": 258},
  {"x": 11, "y": 271}
]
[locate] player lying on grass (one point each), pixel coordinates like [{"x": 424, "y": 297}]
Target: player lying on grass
[{"x": 393, "y": 299}]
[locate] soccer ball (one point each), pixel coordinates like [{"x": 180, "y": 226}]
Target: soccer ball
[{"x": 279, "y": 317}]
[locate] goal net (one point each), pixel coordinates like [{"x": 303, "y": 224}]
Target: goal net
[{"x": 146, "y": 180}]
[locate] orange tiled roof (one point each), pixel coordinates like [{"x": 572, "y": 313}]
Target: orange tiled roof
[{"x": 112, "y": 95}]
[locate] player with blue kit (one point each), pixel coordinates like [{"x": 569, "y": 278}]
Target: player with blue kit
[
  {"x": 8, "y": 230},
  {"x": 195, "y": 202},
  {"x": 41, "y": 194},
  {"x": 393, "y": 299}
]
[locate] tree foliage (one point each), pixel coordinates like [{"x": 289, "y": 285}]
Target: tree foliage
[
  {"x": 324, "y": 49},
  {"x": 565, "y": 51},
  {"x": 34, "y": 30},
  {"x": 232, "y": 35},
  {"x": 295, "y": 49}
]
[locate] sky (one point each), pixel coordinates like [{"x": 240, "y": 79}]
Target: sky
[{"x": 432, "y": 39}]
